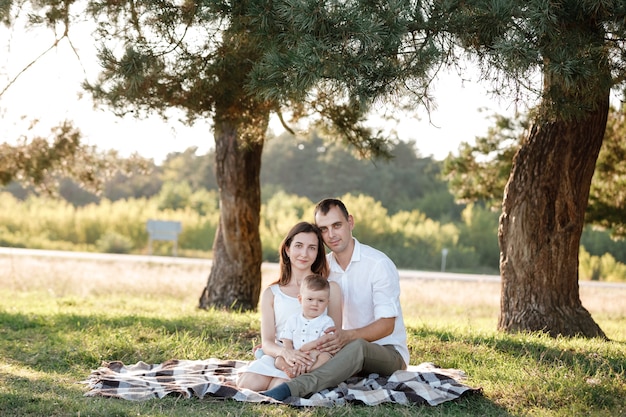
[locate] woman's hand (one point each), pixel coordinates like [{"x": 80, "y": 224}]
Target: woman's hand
[
  {"x": 295, "y": 358},
  {"x": 296, "y": 370},
  {"x": 296, "y": 362}
]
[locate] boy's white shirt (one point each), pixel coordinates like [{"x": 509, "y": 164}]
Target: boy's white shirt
[{"x": 301, "y": 330}]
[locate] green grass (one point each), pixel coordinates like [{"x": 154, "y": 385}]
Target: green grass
[{"x": 61, "y": 318}]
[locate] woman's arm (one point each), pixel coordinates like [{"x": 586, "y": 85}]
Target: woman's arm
[
  {"x": 287, "y": 343},
  {"x": 268, "y": 324}
]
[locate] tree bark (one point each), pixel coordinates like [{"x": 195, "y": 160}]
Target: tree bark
[
  {"x": 541, "y": 224},
  {"x": 235, "y": 278}
]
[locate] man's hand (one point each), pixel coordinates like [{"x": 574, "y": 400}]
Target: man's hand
[{"x": 334, "y": 340}]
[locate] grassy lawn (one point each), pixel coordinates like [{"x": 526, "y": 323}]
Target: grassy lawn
[{"x": 60, "y": 318}]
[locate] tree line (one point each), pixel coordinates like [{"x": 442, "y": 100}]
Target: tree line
[
  {"x": 406, "y": 208},
  {"x": 308, "y": 166}
]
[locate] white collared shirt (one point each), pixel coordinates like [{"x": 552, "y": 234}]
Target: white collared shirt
[
  {"x": 370, "y": 288},
  {"x": 301, "y": 330}
]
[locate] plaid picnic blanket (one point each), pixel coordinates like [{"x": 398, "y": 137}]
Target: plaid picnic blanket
[{"x": 421, "y": 384}]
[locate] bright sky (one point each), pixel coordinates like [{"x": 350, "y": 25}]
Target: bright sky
[{"x": 50, "y": 92}]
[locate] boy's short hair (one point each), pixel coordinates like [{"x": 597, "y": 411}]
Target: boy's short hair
[{"x": 315, "y": 282}]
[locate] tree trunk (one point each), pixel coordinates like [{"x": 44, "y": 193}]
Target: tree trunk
[
  {"x": 541, "y": 224},
  {"x": 235, "y": 278}
]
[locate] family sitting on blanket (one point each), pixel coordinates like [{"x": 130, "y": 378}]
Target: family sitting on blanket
[{"x": 364, "y": 302}]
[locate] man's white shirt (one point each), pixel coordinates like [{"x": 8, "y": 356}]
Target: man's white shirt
[{"x": 370, "y": 289}]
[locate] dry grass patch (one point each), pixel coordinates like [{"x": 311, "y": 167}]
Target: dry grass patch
[{"x": 424, "y": 301}]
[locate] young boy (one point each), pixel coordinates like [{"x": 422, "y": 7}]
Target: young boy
[{"x": 302, "y": 330}]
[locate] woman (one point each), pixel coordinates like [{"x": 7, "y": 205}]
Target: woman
[{"x": 301, "y": 254}]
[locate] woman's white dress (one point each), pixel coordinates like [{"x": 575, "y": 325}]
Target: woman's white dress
[{"x": 284, "y": 307}]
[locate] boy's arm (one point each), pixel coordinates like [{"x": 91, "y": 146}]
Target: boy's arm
[
  {"x": 309, "y": 346},
  {"x": 329, "y": 326}
]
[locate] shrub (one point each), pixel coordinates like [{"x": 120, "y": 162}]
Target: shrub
[
  {"x": 174, "y": 195},
  {"x": 600, "y": 268},
  {"x": 112, "y": 242}
]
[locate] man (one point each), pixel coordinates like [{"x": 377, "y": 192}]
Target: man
[{"x": 373, "y": 338}]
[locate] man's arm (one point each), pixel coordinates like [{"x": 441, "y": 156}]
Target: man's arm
[
  {"x": 380, "y": 328},
  {"x": 384, "y": 283}
]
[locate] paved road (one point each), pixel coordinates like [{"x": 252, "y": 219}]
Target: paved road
[
  {"x": 490, "y": 278},
  {"x": 404, "y": 274}
]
